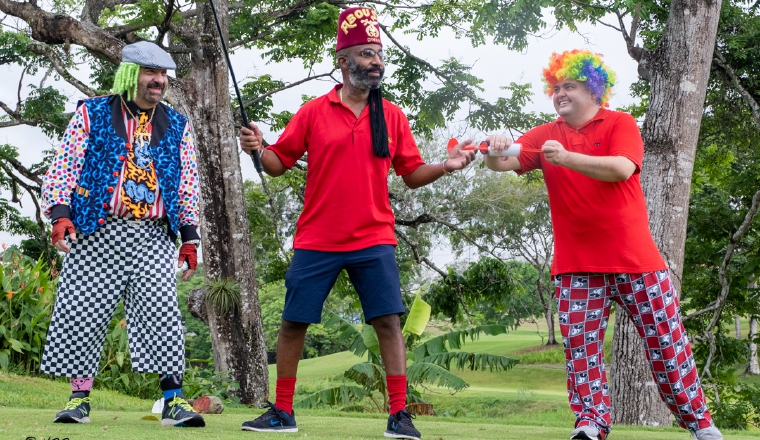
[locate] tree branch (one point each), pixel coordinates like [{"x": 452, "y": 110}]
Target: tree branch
[
  {"x": 421, "y": 219},
  {"x": 419, "y": 259},
  {"x": 725, "y": 283},
  {"x": 463, "y": 90},
  {"x": 30, "y": 189},
  {"x": 291, "y": 85},
  {"x": 93, "y": 8},
  {"x": 53, "y": 28},
  {"x": 735, "y": 81},
  {"x": 47, "y": 52},
  {"x": 25, "y": 172}
]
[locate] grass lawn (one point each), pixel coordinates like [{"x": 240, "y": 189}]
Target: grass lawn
[
  {"x": 23, "y": 423},
  {"x": 527, "y": 402}
]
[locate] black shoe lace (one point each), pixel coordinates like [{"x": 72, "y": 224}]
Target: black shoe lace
[
  {"x": 405, "y": 418},
  {"x": 272, "y": 412}
]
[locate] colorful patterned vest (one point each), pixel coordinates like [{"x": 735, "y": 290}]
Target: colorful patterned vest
[{"x": 102, "y": 163}]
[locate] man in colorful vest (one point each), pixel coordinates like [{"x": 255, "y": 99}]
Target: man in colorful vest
[
  {"x": 591, "y": 158},
  {"x": 122, "y": 187},
  {"x": 353, "y": 137}
]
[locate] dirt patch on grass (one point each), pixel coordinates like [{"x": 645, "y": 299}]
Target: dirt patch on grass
[{"x": 537, "y": 349}]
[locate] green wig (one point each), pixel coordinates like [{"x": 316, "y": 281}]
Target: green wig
[{"x": 126, "y": 80}]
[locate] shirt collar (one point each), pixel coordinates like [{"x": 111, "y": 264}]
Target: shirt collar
[
  {"x": 333, "y": 95},
  {"x": 600, "y": 115}
]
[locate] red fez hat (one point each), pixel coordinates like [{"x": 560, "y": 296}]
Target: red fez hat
[{"x": 357, "y": 26}]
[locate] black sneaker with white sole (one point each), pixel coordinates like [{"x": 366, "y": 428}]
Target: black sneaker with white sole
[
  {"x": 400, "y": 426},
  {"x": 274, "y": 420}
]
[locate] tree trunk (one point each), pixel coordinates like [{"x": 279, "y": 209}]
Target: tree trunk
[
  {"x": 678, "y": 70},
  {"x": 549, "y": 314},
  {"x": 631, "y": 379},
  {"x": 547, "y": 301},
  {"x": 738, "y": 327},
  {"x": 753, "y": 367},
  {"x": 237, "y": 337}
]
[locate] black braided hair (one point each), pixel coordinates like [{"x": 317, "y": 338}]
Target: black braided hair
[{"x": 377, "y": 124}]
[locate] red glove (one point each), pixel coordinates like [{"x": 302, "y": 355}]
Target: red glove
[
  {"x": 188, "y": 252},
  {"x": 61, "y": 228}
]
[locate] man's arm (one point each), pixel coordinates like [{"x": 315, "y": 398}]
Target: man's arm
[
  {"x": 62, "y": 177},
  {"x": 187, "y": 199},
  {"x": 424, "y": 174},
  {"x": 604, "y": 168},
  {"x": 188, "y": 191},
  {"x": 252, "y": 142}
]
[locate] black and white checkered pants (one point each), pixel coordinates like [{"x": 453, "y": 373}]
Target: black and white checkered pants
[{"x": 124, "y": 260}]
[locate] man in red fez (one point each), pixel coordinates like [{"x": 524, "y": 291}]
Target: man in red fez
[{"x": 353, "y": 137}]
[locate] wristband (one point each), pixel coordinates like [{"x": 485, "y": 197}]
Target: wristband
[{"x": 443, "y": 168}]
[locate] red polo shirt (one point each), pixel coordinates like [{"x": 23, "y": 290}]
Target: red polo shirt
[
  {"x": 346, "y": 204},
  {"x": 598, "y": 226}
]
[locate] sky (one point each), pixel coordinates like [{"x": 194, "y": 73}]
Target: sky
[{"x": 496, "y": 65}]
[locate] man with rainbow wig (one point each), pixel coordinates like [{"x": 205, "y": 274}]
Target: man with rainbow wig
[
  {"x": 591, "y": 158},
  {"x": 123, "y": 185}
]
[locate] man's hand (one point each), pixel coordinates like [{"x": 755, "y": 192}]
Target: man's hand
[
  {"x": 251, "y": 139},
  {"x": 555, "y": 153},
  {"x": 458, "y": 158},
  {"x": 61, "y": 227},
  {"x": 498, "y": 143},
  {"x": 604, "y": 168},
  {"x": 188, "y": 253}
]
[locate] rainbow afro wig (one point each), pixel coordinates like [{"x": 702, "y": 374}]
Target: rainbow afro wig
[{"x": 583, "y": 66}]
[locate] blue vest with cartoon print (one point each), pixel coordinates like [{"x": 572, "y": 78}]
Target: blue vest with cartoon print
[{"x": 102, "y": 166}]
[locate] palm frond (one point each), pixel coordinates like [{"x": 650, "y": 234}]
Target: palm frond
[
  {"x": 342, "y": 395},
  {"x": 435, "y": 375},
  {"x": 455, "y": 340},
  {"x": 349, "y": 332},
  {"x": 370, "y": 376},
  {"x": 471, "y": 361}
]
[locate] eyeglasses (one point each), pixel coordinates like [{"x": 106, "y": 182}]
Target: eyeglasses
[{"x": 370, "y": 53}]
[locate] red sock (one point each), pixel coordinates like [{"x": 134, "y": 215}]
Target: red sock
[
  {"x": 286, "y": 388},
  {"x": 396, "y": 392}
]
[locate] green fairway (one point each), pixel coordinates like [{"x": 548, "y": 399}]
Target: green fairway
[
  {"x": 18, "y": 423},
  {"x": 527, "y": 402}
]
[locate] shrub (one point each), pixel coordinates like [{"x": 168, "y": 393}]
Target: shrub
[{"x": 26, "y": 304}]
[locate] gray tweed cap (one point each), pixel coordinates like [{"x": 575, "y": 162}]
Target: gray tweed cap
[{"x": 147, "y": 54}]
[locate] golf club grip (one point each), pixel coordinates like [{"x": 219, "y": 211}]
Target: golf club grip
[{"x": 255, "y": 156}]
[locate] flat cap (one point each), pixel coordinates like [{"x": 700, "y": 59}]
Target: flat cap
[{"x": 147, "y": 54}]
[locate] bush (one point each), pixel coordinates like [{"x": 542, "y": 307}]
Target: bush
[
  {"x": 320, "y": 340},
  {"x": 26, "y": 304},
  {"x": 207, "y": 382}
]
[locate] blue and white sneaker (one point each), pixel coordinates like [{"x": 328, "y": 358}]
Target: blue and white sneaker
[
  {"x": 77, "y": 410},
  {"x": 274, "y": 420},
  {"x": 177, "y": 412},
  {"x": 400, "y": 426}
]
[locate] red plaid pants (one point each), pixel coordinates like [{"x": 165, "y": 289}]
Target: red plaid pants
[{"x": 584, "y": 301}]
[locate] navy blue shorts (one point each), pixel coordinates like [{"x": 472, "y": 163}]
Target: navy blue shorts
[{"x": 373, "y": 272}]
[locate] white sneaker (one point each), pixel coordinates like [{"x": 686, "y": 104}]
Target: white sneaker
[
  {"x": 589, "y": 433},
  {"x": 711, "y": 433}
]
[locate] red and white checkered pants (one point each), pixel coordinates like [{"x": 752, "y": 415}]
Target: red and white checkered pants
[{"x": 584, "y": 301}]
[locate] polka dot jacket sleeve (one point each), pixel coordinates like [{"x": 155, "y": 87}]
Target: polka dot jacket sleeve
[
  {"x": 62, "y": 177},
  {"x": 189, "y": 188}
]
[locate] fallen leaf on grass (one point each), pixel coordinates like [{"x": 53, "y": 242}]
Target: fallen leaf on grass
[{"x": 150, "y": 418}]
